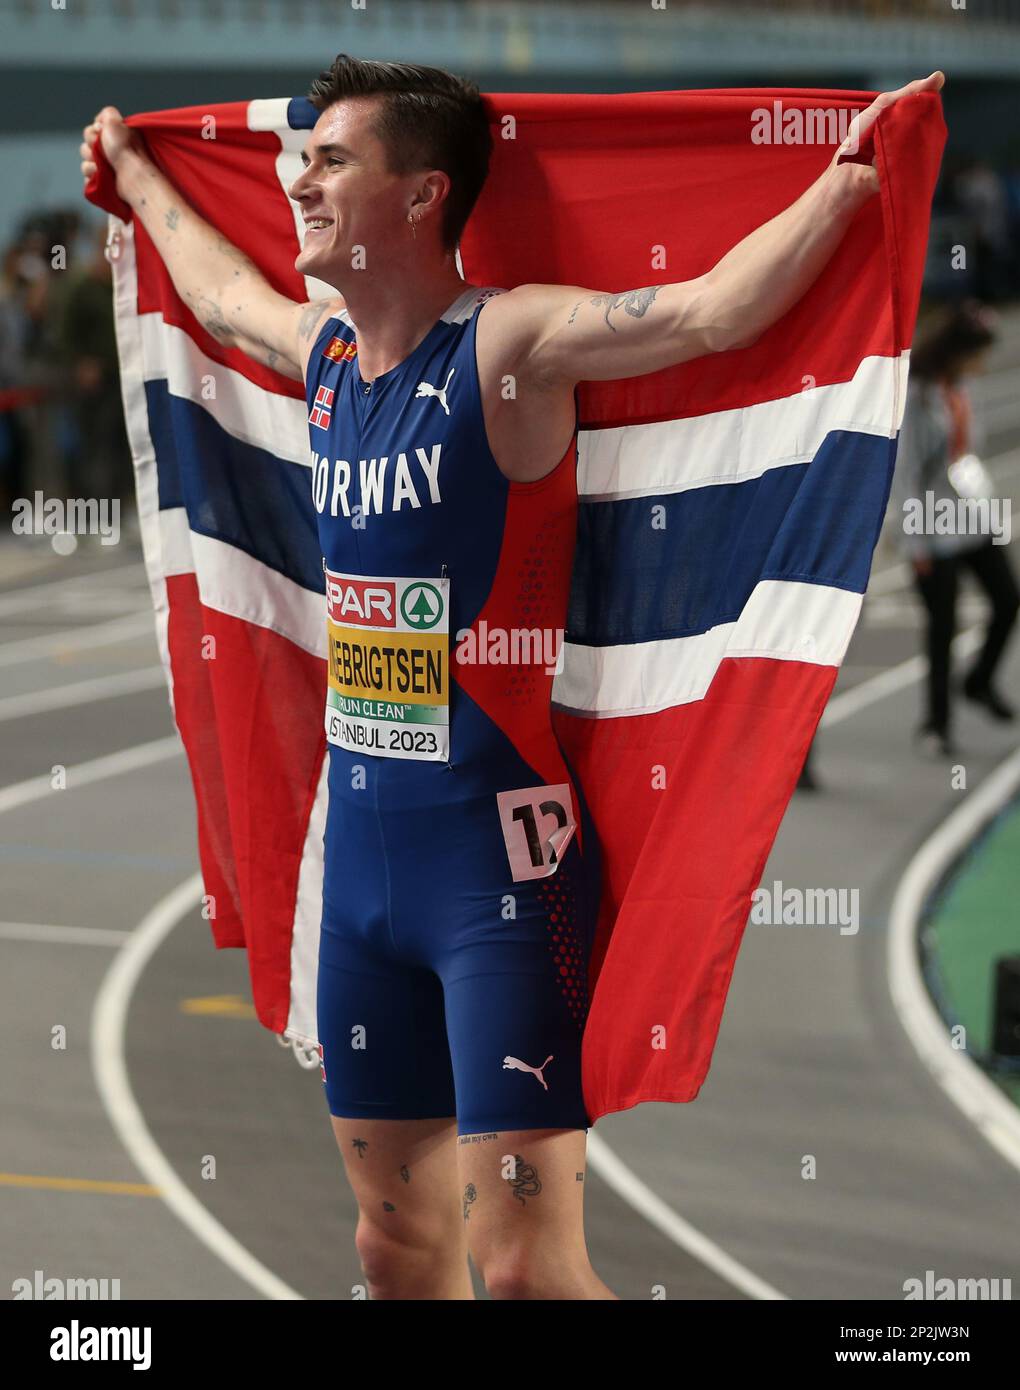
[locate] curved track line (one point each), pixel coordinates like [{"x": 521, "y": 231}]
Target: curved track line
[
  {"x": 626, "y": 1184},
  {"x": 109, "y": 1017},
  {"x": 959, "y": 1076},
  {"x": 115, "y": 993}
]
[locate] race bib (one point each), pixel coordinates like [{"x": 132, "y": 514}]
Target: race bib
[
  {"x": 389, "y": 666},
  {"x": 538, "y": 825}
]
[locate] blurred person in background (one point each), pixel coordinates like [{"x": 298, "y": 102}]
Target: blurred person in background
[
  {"x": 47, "y": 417},
  {"x": 86, "y": 344},
  {"x": 935, "y": 456},
  {"x": 14, "y": 328},
  {"x": 983, "y": 193}
]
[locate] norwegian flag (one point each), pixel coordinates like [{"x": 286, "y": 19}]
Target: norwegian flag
[
  {"x": 322, "y": 407},
  {"x": 700, "y": 649}
]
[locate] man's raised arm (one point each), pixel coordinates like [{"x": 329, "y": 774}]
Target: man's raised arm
[
  {"x": 225, "y": 290},
  {"x": 561, "y": 334}
]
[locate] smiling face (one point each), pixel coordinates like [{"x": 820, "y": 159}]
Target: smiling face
[{"x": 348, "y": 196}]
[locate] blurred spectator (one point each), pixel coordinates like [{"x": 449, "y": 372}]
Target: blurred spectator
[
  {"x": 982, "y": 193},
  {"x": 86, "y": 343},
  {"x": 935, "y": 439},
  {"x": 14, "y": 328}
]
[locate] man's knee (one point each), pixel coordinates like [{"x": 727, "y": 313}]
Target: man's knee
[
  {"x": 532, "y": 1270},
  {"x": 399, "y": 1255}
]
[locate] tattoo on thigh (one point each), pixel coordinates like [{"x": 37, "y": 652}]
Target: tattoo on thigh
[
  {"x": 470, "y": 1195},
  {"x": 361, "y": 1145},
  {"x": 524, "y": 1181},
  {"x": 475, "y": 1138}
]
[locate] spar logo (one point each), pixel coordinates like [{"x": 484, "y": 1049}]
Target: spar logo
[
  {"x": 421, "y": 606},
  {"x": 367, "y": 602}
]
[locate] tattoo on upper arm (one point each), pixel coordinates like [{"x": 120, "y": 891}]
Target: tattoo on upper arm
[
  {"x": 272, "y": 356},
  {"x": 310, "y": 317},
  {"x": 210, "y": 316},
  {"x": 633, "y": 302},
  {"x": 234, "y": 253}
]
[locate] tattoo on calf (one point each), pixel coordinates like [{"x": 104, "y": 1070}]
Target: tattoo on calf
[{"x": 633, "y": 302}]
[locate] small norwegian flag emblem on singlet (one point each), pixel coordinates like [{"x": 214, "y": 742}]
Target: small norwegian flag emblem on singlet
[{"x": 322, "y": 407}]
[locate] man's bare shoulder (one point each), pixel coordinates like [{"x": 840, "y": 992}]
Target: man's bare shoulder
[{"x": 515, "y": 321}]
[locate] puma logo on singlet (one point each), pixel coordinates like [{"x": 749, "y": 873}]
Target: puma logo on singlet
[
  {"x": 424, "y": 389},
  {"x": 515, "y": 1064}
]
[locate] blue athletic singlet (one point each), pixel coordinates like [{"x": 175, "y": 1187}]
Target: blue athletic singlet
[{"x": 461, "y": 871}]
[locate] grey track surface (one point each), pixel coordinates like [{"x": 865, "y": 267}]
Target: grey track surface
[{"x": 811, "y": 1059}]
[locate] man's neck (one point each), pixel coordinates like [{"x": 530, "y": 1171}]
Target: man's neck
[{"x": 392, "y": 314}]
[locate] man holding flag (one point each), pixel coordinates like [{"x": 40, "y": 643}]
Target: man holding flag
[{"x": 462, "y": 881}]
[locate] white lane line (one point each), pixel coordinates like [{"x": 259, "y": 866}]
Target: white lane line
[
  {"x": 613, "y": 1170},
  {"x": 68, "y": 936},
  {"x": 82, "y": 774},
  {"x": 24, "y": 599},
  {"x": 74, "y": 639},
  {"x": 109, "y": 1017},
  {"x": 604, "y": 1161},
  {"x": 638, "y": 1195},
  {"x": 991, "y": 1112},
  {"x": 110, "y": 1013},
  {"x": 896, "y": 678},
  {"x": 82, "y": 692}
]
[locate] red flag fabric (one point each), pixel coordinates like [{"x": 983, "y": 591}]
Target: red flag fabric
[{"x": 729, "y": 508}]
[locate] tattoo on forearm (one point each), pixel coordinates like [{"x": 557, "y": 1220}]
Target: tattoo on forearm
[
  {"x": 633, "y": 302},
  {"x": 525, "y": 1181},
  {"x": 470, "y": 1195},
  {"x": 173, "y": 216}
]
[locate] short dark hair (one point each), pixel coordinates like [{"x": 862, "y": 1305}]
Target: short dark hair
[{"x": 428, "y": 119}]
